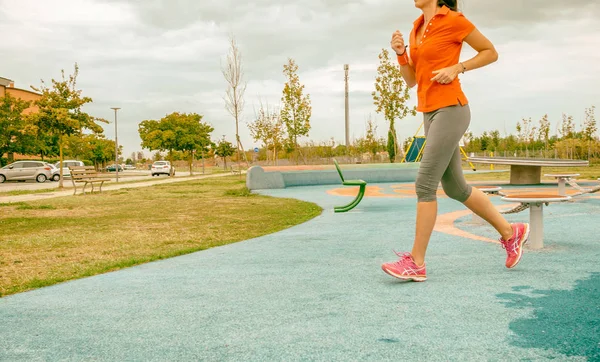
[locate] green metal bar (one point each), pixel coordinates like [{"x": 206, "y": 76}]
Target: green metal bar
[{"x": 355, "y": 202}]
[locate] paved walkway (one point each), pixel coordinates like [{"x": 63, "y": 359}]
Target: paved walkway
[
  {"x": 315, "y": 292},
  {"x": 107, "y": 187}
]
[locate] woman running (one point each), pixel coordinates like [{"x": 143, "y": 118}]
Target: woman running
[{"x": 433, "y": 66}]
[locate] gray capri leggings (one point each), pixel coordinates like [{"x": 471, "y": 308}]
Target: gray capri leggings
[{"x": 441, "y": 158}]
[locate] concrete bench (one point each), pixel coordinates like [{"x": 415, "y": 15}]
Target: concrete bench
[
  {"x": 527, "y": 171},
  {"x": 280, "y": 177},
  {"x": 535, "y": 203}
]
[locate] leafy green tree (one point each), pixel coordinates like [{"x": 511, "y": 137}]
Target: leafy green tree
[
  {"x": 224, "y": 149},
  {"x": 60, "y": 112},
  {"x": 14, "y": 128},
  {"x": 176, "y": 132},
  {"x": 297, "y": 110},
  {"x": 589, "y": 129},
  {"x": 589, "y": 124},
  {"x": 567, "y": 127},
  {"x": 100, "y": 150},
  {"x": 544, "y": 131},
  {"x": 268, "y": 129},
  {"x": 204, "y": 151},
  {"x": 390, "y": 97},
  {"x": 391, "y": 144}
]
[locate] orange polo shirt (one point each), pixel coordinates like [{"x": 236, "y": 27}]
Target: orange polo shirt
[{"x": 439, "y": 48}]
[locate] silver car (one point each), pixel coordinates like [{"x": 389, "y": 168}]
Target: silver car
[{"x": 26, "y": 170}]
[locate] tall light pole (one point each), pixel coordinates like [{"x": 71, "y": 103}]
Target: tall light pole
[
  {"x": 116, "y": 144},
  {"x": 346, "y": 68}
]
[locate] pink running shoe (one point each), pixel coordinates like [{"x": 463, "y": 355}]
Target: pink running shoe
[
  {"x": 514, "y": 245},
  {"x": 406, "y": 269}
]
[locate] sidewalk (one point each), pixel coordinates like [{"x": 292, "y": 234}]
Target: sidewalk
[{"x": 107, "y": 187}]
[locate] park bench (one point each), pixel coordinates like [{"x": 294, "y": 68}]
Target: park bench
[
  {"x": 535, "y": 203},
  {"x": 527, "y": 171},
  {"x": 361, "y": 191},
  {"x": 86, "y": 175},
  {"x": 235, "y": 169}
]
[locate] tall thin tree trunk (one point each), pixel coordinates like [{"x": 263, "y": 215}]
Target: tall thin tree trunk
[
  {"x": 237, "y": 139},
  {"x": 60, "y": 151}
]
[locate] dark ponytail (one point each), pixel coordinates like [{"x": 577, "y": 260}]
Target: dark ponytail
[{"x": 451, "y": 4}]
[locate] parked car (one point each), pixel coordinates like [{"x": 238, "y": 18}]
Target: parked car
[
  {"x": 113, "y": 168},
  {"x": 67, "y": 164},
  {"x": 129, "y": 167},
  {"x": 26, "y": 170},
  {"x": 55, "y": 172},
  {"x": 162, "y": 168}
]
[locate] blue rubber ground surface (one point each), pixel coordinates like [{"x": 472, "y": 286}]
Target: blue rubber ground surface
[{"x": 316, "y": 292}]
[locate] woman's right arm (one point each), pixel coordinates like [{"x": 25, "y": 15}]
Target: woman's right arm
[
  {"x": 408, "y": 73},
  {"x": 406, "y": 66}
]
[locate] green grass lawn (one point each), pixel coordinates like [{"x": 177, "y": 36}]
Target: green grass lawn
[{"x": 51, "y": 241}]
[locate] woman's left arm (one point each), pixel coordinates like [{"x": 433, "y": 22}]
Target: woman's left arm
[{"x": 486, "y": 53}]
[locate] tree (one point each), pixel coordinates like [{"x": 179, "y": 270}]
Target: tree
[
  {"x": 589, "y": 128},
  {"x": 60, "y": 111},
  {"x": 234, "y": 99},
  {"x": 100, "y": 150},
  {"x": 589, "y": 124},
  {"x": 494, "y": 140},
  {"x": 567, "y": 127},
  {"x": 371, "y": 141},
  {"x": 296, "y": 111},
  {"x": 14, "y": 127},
  {"x": 204, "y": 151},
  {"x": 268, "y": 129},
  {"x": 224, "y": 149},
  {"x": 176, "y": 132},
  {"x": 390, "y": 97},
  {"x": 391, "y": 144},
  {"x": 544, "y": 131}
]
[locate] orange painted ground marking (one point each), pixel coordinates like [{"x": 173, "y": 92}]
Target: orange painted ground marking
[
  {"x": 370, "y": 191},
  {"x": 445, "y": 224}
]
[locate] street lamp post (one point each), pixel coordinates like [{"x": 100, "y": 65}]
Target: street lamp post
[{"x": 116, "y": 144}]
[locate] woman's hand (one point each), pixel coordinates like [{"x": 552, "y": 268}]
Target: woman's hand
[
  {"x": 397, "y": 43},
  {"x": 446, "y": 75}
]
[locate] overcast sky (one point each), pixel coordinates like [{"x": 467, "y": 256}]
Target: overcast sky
[{"x": 153, "y": 57}]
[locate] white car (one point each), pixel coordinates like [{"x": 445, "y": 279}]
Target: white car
[
  {"x": 128, "y": 167},
  {"x": 162, "y": 168},
  {"x": 55, "y": 172},
  {"x": 66, "y": 164}
]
